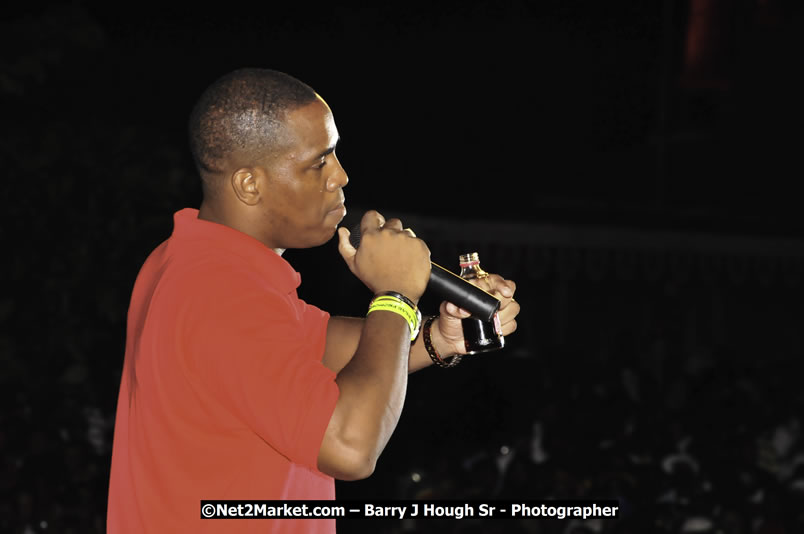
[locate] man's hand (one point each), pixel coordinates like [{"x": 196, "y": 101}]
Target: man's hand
[
  {"x": 390, "y": 258},
  {"x": 449, "y": 322}
]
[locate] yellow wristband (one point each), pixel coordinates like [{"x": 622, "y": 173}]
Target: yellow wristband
[
  {"x": 393, "y": 304},
  {"x": 399, "y": 309},
  {"x": 397, "y": 299}
]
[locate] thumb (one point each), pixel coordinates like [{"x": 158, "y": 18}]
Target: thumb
[
  {"x": 452, "y": 310},
  {"x": 345, "y": 248}
]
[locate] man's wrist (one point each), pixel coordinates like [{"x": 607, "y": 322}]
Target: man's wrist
[
  {"x": 440, "y": 351},
  {"x": 443, "y": 346},
  {"x": 436, "y": 339}
]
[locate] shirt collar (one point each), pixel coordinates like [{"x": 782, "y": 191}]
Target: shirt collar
[{"x": 187, "y": 226}]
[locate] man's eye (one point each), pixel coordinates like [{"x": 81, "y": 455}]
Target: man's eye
[{"x": 321, "y": 164}]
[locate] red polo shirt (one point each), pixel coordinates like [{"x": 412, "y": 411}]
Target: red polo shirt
[{"x": 223, "y": 393}]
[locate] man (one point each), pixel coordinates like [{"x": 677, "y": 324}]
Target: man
[{"x": 232, "y": 387}]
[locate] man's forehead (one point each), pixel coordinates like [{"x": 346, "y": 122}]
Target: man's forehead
[{"x": 311, "y": 128}]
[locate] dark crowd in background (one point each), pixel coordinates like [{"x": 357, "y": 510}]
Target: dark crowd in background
[{"x": 631, "y": 166}]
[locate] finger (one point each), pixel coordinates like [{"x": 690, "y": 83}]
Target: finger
[
  {"x": 509, "y": 312},
  {"x": 344, "y": 246},
  {"x": 508, "y": 328},
  {"x": 499, "y": 285},
  {"x": 394, "y": 224},
  {"x": 512, "y": 286},
  {"x": 410, "y": 232},
  {"x": 372, "y": 221},
  {"x": 455, "y": 311}
]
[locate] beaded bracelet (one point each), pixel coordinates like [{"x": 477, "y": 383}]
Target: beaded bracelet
[
  {"x": 401, "y": 305},
  {"x": 431, "y": 350}
]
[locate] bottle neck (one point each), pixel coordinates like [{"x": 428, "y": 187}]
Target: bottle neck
[{"x": 470, "y": 267}]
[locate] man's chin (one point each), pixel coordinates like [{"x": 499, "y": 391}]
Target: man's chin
[
  {"x": 314, "y": 238},
  {"x": 326, "y": 237}
]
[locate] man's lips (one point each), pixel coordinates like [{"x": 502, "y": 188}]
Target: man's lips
[
  {"x": 340, "y": 205},
  {"x": 339, "y": 208}
]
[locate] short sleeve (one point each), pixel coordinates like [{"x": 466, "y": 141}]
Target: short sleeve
[{"x": 259, "y": 353}]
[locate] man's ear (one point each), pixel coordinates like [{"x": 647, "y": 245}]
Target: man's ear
[{"x": 245, "y": 185}]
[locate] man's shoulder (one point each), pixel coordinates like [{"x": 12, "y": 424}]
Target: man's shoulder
[
  {"x": 198, "y": 271},
  {"x": 208, "y": 281},
  {"x": 175, "y": 255}
]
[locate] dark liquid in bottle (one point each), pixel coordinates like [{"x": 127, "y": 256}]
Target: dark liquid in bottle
[{"x": 480, "y": 336}]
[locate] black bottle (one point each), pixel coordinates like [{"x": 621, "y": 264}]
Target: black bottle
[{"x": 479, "y": 335}]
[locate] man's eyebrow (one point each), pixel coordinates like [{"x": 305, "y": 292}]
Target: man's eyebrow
[{"x": 328, "y": 151}]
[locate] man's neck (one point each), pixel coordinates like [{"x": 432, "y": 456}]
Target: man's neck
[{"x": 211, "y": 212}]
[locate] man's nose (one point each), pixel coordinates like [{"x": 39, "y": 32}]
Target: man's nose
[{"x": 338, "y": 178}]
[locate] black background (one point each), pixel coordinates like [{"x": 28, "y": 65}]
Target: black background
[
  {"x": 567, "y": 112},
  {"x": 562, "y": 109}
]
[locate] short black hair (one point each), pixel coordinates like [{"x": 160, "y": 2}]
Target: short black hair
[{"x": 243, "y": 110}]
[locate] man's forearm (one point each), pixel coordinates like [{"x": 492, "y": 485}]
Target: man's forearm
[
  {"x": 372, "y": 388},
  {"x": 343, "y": 337}
]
